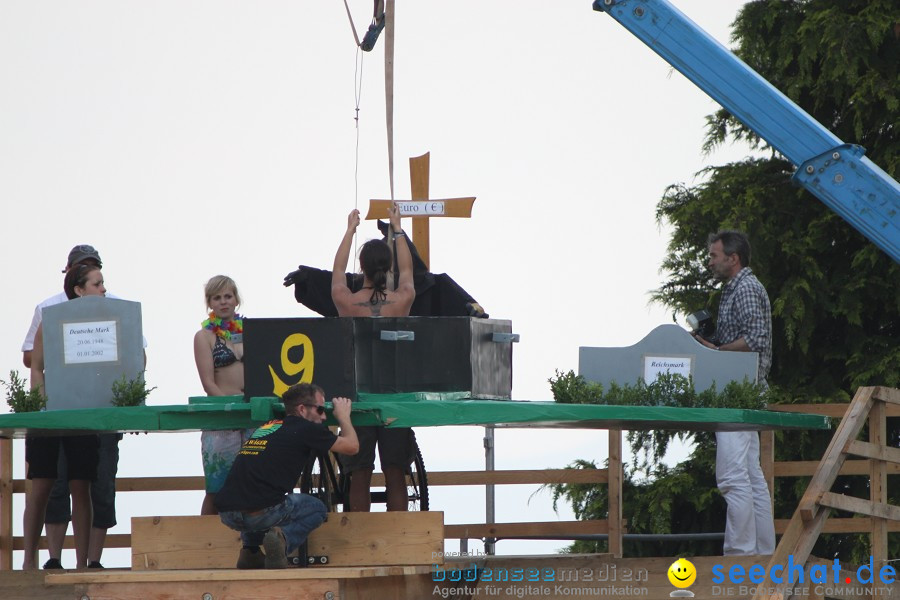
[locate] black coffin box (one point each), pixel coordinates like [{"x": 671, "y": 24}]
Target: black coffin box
[{"x": 379, "y": 355}]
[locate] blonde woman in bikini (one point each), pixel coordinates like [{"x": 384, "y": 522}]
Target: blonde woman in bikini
[{"x": 219, "y": 352}]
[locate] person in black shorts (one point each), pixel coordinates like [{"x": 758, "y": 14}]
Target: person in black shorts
[
  {"x": 81, "y": 452},
  {"x": 376, "y": 298}
]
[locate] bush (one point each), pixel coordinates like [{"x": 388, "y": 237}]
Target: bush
[
  {"x": 19, "y": 398},
  {"x": 130, "y": 392}
]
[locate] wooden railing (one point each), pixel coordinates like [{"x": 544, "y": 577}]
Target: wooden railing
[{"x": 612, "y": 476}]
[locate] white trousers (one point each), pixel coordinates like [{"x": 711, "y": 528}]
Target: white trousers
[{"x": 749, "y": 528}]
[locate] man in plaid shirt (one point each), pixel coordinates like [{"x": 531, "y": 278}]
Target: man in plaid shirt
[{"x": 745, "y": 325}]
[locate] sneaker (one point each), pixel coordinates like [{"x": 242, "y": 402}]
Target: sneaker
[
  {"x": 53, "y": 563},
  {"x": 473, "y": 309},
  {"x": 95, "y": 564},
  {"x": 274, "y": 544},
  {"x": 248, "y": 559},
  {"x": 372, "y": 34}
]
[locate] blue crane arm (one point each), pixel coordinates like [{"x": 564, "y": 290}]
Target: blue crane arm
[{"x": 839, "y": 174}]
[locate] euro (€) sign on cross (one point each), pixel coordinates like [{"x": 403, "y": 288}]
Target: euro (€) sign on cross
[{"x": 421, "y": 208}]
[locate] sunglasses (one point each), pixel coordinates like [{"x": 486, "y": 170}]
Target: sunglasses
[{"x": 319, "y": 409}]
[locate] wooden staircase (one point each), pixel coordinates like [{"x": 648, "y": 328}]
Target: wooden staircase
[{"x": 868, "y": 406}]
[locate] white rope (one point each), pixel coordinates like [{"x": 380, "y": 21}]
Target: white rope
[{"x": 357, "y": 97}]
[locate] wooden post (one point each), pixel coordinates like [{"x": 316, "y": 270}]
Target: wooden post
[
  {"x": 419, "y": 178},
  {"x": 878, "y": 482},
  {"x": 421, "y": 208},
  {"x": 614, "y": 493},
  {"x": 6, "y": 499}
]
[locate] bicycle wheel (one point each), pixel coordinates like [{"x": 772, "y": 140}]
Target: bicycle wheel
[
  {"x": 417, "y": 481},
  {"x": 416, "y": 484},
  {"x": 319, "y": 480}
]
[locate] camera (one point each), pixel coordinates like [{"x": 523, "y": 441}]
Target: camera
[{"x": 701, "y": 323}]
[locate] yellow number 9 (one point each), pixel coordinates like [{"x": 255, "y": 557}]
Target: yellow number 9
[{"x": 304, "y": 367}]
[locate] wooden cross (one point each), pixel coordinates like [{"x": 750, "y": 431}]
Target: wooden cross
[{"x": 421, "y": 208}]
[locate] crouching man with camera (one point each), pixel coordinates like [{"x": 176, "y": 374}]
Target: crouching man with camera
[{"x": 257, "y": 497}]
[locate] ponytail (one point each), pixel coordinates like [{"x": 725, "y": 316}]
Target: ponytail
[{"x": 375, "y": 260}]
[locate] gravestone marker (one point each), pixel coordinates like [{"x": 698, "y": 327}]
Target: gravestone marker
[
  {"x": 666, "y": 349},
  {"x": 89, "y": 343}
]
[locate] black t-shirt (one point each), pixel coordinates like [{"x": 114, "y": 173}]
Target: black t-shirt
[{"x": 269, "y": 464}]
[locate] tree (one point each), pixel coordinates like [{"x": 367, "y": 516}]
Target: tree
[{"x": 835, "y": 296}]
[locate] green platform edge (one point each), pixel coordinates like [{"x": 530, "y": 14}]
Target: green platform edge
[{"x": 421, "y": 409}]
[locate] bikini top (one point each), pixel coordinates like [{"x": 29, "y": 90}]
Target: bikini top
[
  {"x": 379, "y": 295},
  {"x": 222, "y": 354}
]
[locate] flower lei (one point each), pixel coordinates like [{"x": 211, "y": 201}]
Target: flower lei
[{"x": 222, "y": 328}]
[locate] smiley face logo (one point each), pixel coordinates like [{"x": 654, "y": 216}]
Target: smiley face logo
[{"x": 682, "y": 573}]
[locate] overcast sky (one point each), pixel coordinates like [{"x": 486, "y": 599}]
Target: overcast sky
[{"x": 186, "y": 139}]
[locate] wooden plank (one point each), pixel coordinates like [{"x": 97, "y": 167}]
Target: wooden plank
[
  {"x": 313, "y": 589},
  {"x": 804, "y": 468},
  {"x": 196, "y": 542},
  {"x": 874, "y": 451},
  {"x": 419, "y": 183},
  {"x": 126, "y": 576},
  {"x": 878, "y": 479},
  {"x": 123, "y": 540},
  {"x": 836, "y": 410},
  {"x": 798, "y": 541},
  {"x": 389, "y": 538},
  {"x": 788, "y": 541},
  {"x": 29, "y": 585},
  {"x": 143, "y": 484},
  {"x": 860, "y": 506},
  {"x": 389, "y": 588},
  {"x": 510, "y": 477},
  {"x": 843, "y": 525},
  {"x": 834, "y": 457},
  {"x": 6, "y": 502},
  {"x": 348, "y": 539},
  {"x": 511, "y": 530},
  {"x": 614, "y": 495},
  {"x": 421, "y": 238},
  {"x": 159, "y": 484},
  {"x": 501, "y": 477},
  {"x": 890, "y": 395},
  {"x": 113, "y": 540}
]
